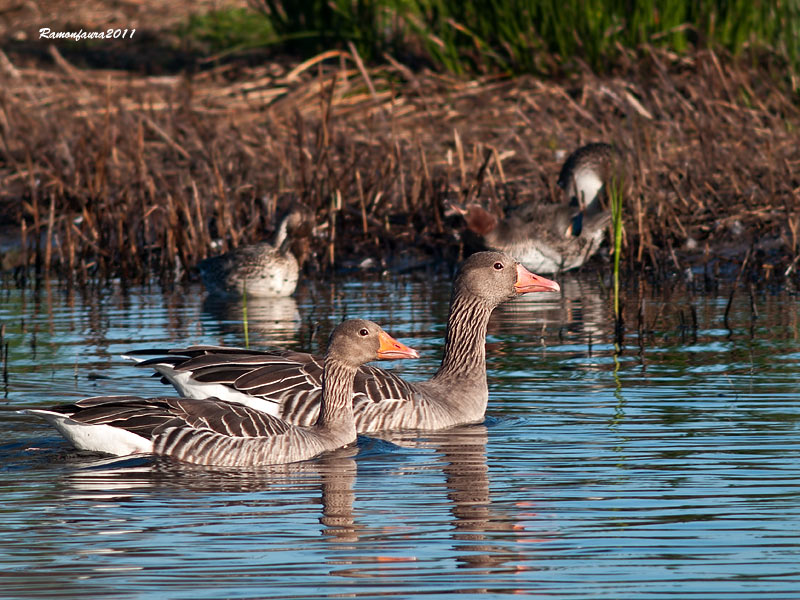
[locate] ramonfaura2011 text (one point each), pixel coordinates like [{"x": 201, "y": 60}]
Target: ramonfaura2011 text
[{"x": 109, "y": 34}]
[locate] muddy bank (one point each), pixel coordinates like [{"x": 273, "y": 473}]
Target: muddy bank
[{"x": 113, "y": 173}]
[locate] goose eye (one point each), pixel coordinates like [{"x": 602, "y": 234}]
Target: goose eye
[
  {"x": 363, "y": 332},
  {"x": 498, "y": 265}
]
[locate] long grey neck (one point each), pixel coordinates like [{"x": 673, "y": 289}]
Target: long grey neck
[
  {"x": 337, "y": 393},
  {"x": 282, "y": 235},
  {"x": 465, "y": 344}
]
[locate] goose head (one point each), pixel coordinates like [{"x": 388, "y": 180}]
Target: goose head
[
  {"x": 294, "y": 233},
  {"x": 358, "y": 341},
  {"x": 496, "y": 277},
  {"x": 585, "y": 172}
]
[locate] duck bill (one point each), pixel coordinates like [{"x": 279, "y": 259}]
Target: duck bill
[
  {"x": 529, "y": 282},
  {"x": 390, "y": 348}
]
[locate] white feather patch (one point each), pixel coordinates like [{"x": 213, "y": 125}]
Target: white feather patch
[
  {"x": 188, "y": 387},
  {"x": 97, "y": 438}
]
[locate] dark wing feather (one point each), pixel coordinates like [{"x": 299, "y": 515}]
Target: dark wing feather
[
  {"x": 150, "y": 416},
  {"x": 224, "y": 374},
  {"x": 137, "y": 415},
  {"x": 227, "y": 418},
  {"x": 372, "y": 386},
  {"x": 217, "y": 359},
  {"x": 166, "y": 354},
  {"x": 378, "y": 384},
  {"x": 277, "y": 376}
]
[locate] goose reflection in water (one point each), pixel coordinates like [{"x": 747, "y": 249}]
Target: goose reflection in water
[
  {"x": 478, "y": 526},
  {"x": 581, "y": 310},
  {"x": 270, "y": 321},
  {"x": 123, "y": 479},
  {"x": 475, "y": 516}
]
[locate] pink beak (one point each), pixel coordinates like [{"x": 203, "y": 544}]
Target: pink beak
[
  {"x": 390, "y": 348},
  {"x": 528, "y": 282}
]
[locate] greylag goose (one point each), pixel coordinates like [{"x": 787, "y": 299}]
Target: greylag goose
[
  {"x": 288, "y": 384},
  {"x": 215, "y": 432},
  {"x": 556, "y": 237},
  {"x": 262, "y": 269}
]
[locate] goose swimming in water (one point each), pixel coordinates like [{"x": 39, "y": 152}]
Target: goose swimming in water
[
  {"x": 551, "y": 238},
  {"x": 263, "y": 269},
  {"x": 216, "y": 432},
  {"x": 289, "y": 384}
]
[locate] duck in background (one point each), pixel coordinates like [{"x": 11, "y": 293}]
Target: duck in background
[
  {"x": 263, "y": 269},
  {"x": 550, "y": 238}
]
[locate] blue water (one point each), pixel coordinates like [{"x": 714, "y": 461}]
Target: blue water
[{"x": 671, "y": 470}]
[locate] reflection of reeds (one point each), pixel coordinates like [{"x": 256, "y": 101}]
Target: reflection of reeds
[{"x": 117, "y": 175}]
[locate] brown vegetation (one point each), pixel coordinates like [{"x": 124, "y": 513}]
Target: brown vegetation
[{"x": 111, "y": 173}]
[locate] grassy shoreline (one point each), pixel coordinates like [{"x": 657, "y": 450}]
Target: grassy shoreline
[
  {"x": 541, "y": 37},
  {"x": 114, "y": 173}
]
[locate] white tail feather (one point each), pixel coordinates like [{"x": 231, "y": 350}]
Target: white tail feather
[{"x": 97, "y": 438}]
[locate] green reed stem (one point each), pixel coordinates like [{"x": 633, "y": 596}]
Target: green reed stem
[
  {"x": 244, "y": 317},
  {"x": 615, "y": 196}
]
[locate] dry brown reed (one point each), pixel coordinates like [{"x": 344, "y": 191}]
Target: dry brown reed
[{"x": 113, "y": 174}]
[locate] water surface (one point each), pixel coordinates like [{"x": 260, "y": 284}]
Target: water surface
[{"x": 669, "y": 470}]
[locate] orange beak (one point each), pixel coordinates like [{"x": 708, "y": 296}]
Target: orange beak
[
  {"x": 391, "y": 348},
  {"x": 528, "y": 282}
]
